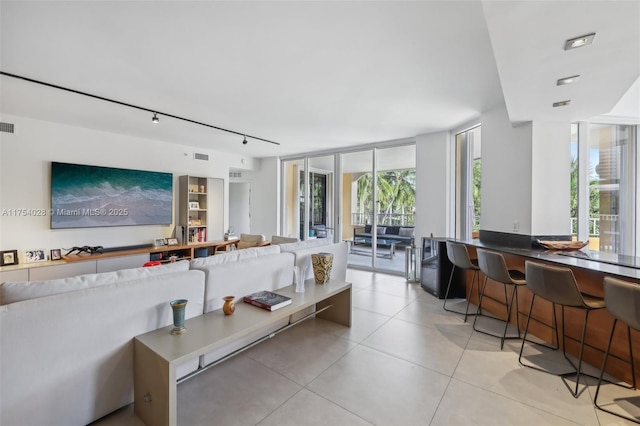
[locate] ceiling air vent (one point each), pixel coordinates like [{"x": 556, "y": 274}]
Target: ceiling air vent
[
  {"x": 6, "y": 127},
  {"x": 199, "y": 156},
  {"x": 235, "y": 175}
]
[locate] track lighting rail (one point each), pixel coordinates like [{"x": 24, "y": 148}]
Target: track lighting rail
[{"x": 150, "y": 110}]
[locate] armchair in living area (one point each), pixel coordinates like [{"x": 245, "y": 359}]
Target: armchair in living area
[
  {"x": 245, "y": 241},
  {"x": 320, "y": 231}
]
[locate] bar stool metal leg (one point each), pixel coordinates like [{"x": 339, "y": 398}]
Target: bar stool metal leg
[
  {"x": 459, "y": 257},
  {"x": 475, "y": 277},
  {"x": 558, "y": 286},
  {"x": 578, "y": 368},
  {"x": 526, "y": 330},
  {"x": 509, "y": 302},
  {"x": 604, "y": 364}
]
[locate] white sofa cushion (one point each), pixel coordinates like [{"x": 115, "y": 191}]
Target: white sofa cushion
[
  {"x": 303, "y": 258},
  {"x": 67, "y": 359},
  {"x": 239, "y": 279},
  {"x": 244, "y": 277},
  {"x": 317, "y": 242},
  {"x": 234, "y": 256},
  {"x": 15, "y": 291}
]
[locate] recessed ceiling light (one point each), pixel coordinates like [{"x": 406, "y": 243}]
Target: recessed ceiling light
[
  {"x": 561, "y": 103},
  {"x": 568, "y": 80},
  {"x": 579, "y": 41}
]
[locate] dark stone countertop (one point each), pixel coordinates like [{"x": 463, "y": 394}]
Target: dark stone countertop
[{"x": 606, "y": 263}]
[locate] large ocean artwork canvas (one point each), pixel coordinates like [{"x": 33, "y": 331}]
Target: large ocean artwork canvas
[{"x": 92, "y": 196}]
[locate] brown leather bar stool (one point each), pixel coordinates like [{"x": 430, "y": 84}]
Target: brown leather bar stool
[
  {"x": 459, "y": 256},
  {"x": 558, "y": 286},
  {"x": 493, "y": 266},
  {"x": 623, "y": 302}
]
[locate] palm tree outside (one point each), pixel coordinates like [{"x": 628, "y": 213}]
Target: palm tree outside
[{"x": 396, "y": 198}]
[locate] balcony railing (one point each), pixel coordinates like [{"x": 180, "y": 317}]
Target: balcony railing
[
  {"x": 383, "y": 219},
  {"x": 409, "y": 220},
  {"x": 594, "y": 223}
]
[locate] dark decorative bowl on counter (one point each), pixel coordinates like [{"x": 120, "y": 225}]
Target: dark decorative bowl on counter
[{"x": 563, "y": 245}]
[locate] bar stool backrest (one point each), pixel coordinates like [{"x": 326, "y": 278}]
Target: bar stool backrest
[
  {"x": 459, "y": 255},
  {"x": 556, "y": 284},
  {"x": 492, "y": 265},
  {"x": 623, "y": 301}
]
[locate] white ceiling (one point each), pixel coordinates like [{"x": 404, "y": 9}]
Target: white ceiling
[{"x": 313, "y": 75}]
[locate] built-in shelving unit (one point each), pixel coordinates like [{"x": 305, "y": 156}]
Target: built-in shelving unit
[
  {"x": 193, "y": 208},
  {"x": 200, "y": 209}
]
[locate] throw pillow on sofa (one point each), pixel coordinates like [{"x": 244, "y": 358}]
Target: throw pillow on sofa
[
  {"x": 406, "y": 232},
  {"x": 381, "y": 230},
  {"x": 249, "y": 240}
]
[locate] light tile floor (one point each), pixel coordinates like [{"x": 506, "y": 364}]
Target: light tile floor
[{"x": 404, "y": 361}]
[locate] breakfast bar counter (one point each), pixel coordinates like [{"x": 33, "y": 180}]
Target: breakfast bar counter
[{"x": 589, "y": 269}]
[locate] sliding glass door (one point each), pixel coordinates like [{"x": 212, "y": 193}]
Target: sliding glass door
[
  {"x": 366, "y": 198},
  {"x": 612, "y": 187},
  {"x": 382, "y": 194},
  {"x": 320, "y": 214},
  {"x": 308, "y": 198}
]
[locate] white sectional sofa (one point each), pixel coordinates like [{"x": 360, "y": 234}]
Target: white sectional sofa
[
  {"x": 66, "y": 346},
  {"x": 240, "y": 273},
  {"x": 67, "y": 358}
]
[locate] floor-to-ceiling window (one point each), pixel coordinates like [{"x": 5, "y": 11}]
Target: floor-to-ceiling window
[
  {"x": 320, "y": 215},
  {"x": 382, "y": 193},
  {"x": 605, "y": 186},
  {"x": 293, "y": 198},
  {"x": 357, "y": 196},
  {"x": 468, "y": 183},
  {"x": 308, "y": 208}
]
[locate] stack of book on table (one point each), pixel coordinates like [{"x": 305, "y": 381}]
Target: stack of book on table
[{"x": 267, "y": 300}]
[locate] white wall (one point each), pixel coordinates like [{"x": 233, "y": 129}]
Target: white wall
[
  {"x": 506, "y": 173},
  {"x": 550, "y": 185},
  {"x": 432, "y": 180},
  {"x": 239, "y": 207},
  {"x": 24, "y": 179},
  {"x": 266, "y": 198}
]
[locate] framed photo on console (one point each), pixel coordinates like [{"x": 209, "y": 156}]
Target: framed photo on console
[
  {"x": 56, "y": 254},
  {"x": 8, "y": 257},
  {"x": 34, "y": 255},
  {"x": 172, "y": 241},
  {"x": 159, "y": 242}
]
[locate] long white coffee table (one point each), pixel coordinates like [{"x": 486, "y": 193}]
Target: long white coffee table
[{"x": 158, "y": 353}]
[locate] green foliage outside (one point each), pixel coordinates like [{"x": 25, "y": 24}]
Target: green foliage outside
[
  {"x": 396, "y": 195},
  {"x": 477, "y": 178},
  {"x": 594, "y": 198}
]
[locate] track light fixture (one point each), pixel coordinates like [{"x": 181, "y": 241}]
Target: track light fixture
[{"x": 155, "y": 113}]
